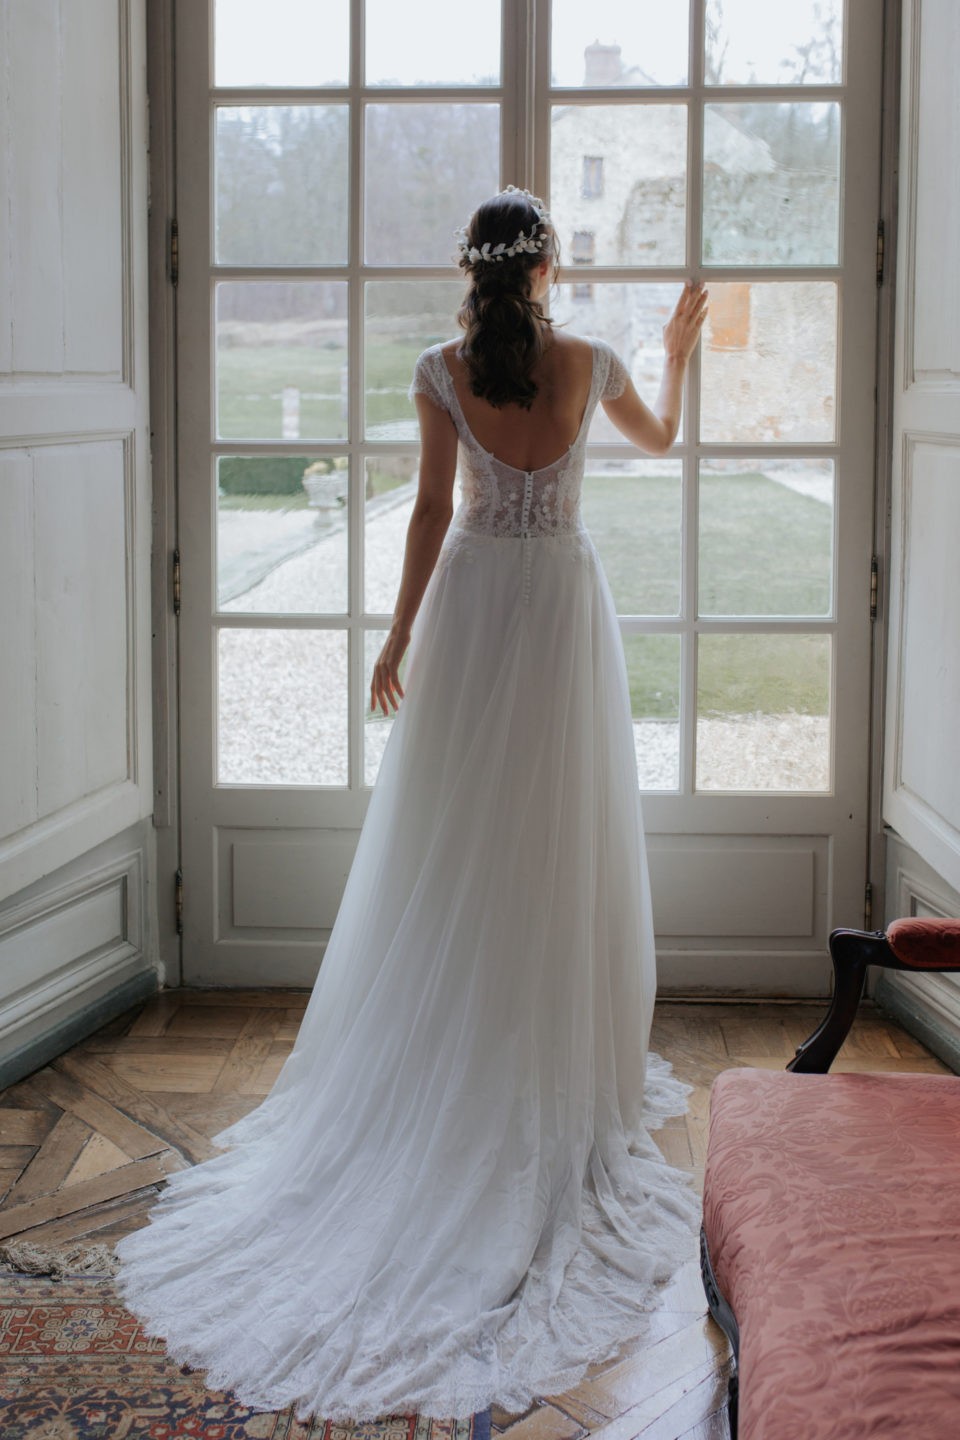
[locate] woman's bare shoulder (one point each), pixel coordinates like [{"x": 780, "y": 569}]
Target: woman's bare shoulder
[
  {"x": 449, "y": 350},
  {"x": 574, "y": 343},
  {"x": 572, "y": 353}
]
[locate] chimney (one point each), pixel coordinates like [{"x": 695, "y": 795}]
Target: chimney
[{"x": 601, "y": 64}]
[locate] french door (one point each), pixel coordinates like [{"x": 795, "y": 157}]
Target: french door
[{"x": 326, "y": 154}]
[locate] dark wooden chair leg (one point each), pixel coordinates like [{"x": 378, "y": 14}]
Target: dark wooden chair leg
[
  {"x": 719, "y": 1307},
  {"x": 851, "y": 951}
]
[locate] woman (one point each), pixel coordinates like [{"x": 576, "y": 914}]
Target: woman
[{"x": 450, "y": 1196}]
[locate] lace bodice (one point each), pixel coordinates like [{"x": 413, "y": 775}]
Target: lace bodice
[{"x": 499, "y": 499}]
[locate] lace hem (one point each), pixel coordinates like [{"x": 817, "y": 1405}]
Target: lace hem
[{"x": 561, "y": 1319}]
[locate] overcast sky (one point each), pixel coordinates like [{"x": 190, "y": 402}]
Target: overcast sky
[{"x": 305, "y": 42}]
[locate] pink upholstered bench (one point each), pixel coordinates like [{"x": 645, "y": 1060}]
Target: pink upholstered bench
[{"x": 830, "y": 1246}]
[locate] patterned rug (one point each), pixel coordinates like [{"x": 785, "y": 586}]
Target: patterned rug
[{"x": 75, "y": 1365}]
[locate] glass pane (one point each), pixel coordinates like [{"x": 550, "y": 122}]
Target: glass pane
[
  {"x": 771, "y": 193},
  {"x": 769, "y": 362},
  {"x": 391, "y": 488},
  {"x": 766, "y": 537},
  {"x": 588, "y": 40},
  {"x": 282, "y": 534},
  {"x": 633, "y": 508},
  {"x": 376, "y": 725},
  {"x": 282, "y": 360},
  {"x": 403, "y": 318},
  {"x": 751, "y": 42},
  {"x": 282, "y": 707},
  {"x": 653, "y": 672},
  {"x": 763, "y": 712},
  {"x": 427, "y": 169},
  {"x": 288, "y": 42},
  {"x": 422, "y": 42},
  {"x": 619, "y": 176},
  {"x": 281, "y": 195},
  {"x": 631, "y": 319}
]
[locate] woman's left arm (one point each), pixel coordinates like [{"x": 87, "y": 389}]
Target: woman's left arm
[
  {"x": 654, "y": 431},
  {"x": 432, "y": 513}
]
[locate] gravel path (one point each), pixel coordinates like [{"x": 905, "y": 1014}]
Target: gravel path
[{"x": 314, "y": 580}]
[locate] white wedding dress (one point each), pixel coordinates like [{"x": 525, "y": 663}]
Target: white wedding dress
[{"x": 450, "y": 1196}]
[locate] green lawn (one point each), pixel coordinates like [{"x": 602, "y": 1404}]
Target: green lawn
[
  {"x": 262, "y": 502},
  {"x": 764, "y": 549},
  {"x": 389, "y": 371},
  {"x": 653, "y": 670},
  {"x": 772, "y": 674},
  {"x": 635, "y": 523},
  {"x": 251, "y": 380},
  {"x": 250, "y": 385},
  {"x": 737, "y": 675}
]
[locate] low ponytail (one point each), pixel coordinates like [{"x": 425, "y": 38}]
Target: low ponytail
[{"x": 506, "y": 331}]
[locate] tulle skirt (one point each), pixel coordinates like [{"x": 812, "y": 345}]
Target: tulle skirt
[{"x": 450, "y": 1197}]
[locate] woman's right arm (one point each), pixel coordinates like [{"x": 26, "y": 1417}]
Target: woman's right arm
[
  {"x": 432, "y": 513},
  {"x": 654, "y": 431}
]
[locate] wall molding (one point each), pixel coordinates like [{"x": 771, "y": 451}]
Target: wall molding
[
  {"x": 912, "y": 815},
  {"x": 928, "y": 1006},
  {"x": 56, "y": 839},
  {"x": 77, "y": 953},
  {"x": 76, "y": 1026}
]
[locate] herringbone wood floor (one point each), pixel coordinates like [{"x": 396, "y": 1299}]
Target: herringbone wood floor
[{"x": 86, "y": 1141}]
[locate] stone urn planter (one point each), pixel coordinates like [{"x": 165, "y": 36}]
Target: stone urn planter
[{"x": 326, "y": 487}]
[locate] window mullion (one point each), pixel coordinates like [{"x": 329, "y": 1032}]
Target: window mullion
[
  {"x": 355, "y": 400},
  {"x": 512, "y": 52},
  {"x": 526, "y": 78},
  {"x": 539, "y": 112}
]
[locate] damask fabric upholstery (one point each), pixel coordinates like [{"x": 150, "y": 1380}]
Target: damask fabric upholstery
[
  {"x": 927, "y": 944},
  {"x": 832, "y": 1215}
]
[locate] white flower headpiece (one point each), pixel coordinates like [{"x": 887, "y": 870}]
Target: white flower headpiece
[{"x": 528, "y": 244}]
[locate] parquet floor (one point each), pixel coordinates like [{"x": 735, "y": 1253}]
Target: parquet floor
[{"x": 85, "y": 1144}]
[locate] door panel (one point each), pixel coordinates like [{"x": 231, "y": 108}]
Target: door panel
[{"x": 921, "y": 785}]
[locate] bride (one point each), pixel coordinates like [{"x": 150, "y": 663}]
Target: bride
[{"x": 451, "y": 1197}]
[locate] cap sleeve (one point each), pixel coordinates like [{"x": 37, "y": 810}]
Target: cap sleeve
[
  {"x": 616, "y": 374},
  {"x": 427, "y": 379}
]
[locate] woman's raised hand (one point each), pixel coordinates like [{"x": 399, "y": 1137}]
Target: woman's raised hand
[{"x": 682, "y": 330}]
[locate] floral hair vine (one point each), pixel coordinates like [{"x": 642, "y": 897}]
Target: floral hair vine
[{"x": 528, "y": 244}]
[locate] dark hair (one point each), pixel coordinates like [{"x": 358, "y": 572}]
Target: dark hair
[{"x": 506, "y": 331}]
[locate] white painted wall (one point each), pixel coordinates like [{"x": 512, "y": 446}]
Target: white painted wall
[{"x": 75, "y": 771}]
